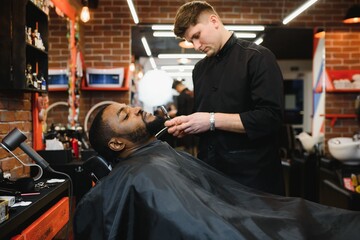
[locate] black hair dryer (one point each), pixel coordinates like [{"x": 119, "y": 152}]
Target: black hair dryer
[{"x": 15, "y": 139}]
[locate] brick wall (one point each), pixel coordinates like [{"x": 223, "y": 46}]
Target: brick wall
[
  {"x": 15, "y": 112},
  {"x": 107, "y": 37},
  {"x": 342, "y": 53}
]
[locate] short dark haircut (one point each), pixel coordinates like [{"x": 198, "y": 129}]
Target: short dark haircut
[
  {"x": 99, "y": 135},
  {"x": 188, "y": 14}
]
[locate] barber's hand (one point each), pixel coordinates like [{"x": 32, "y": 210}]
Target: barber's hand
[{"x": 191, "y": 124}]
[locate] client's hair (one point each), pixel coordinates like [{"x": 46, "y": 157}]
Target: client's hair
[{"x": 99, "y": 136}]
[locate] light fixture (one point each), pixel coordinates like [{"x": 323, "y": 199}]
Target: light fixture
[
  {"x": 320, "y": 33},
  {"x": 163, "y": 34},
  {"x": 183, "y": 61},
  {"x": 162, "y": 27},
  {"x": 169, "y": 27},
  {"x": 245, "y": 35},
  {"x": 181, "y": 55},
  {"x": 186, "y": 44},
  {"x": 146, "y": 46},
  {"x": 133, "y": 11},
  {"x": 353, "y": 14},
  {"x": 85, "y": 13},
  {"x": 245, "y": 27},
  {"x": 153, "y": 63},
  {"x": 299, "y": 10},
  {"x": 259, "y": 40}
]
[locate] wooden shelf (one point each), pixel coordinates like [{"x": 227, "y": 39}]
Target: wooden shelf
[
  {"x": 335, "y": 117},
  {"x": 125, "y": 86}
]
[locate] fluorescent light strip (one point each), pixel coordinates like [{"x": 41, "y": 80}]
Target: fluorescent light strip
[
  {"x": 153, "y": 63},
  {"x": 180, "y": 55},
  {"x": 299, "y": 10},
  {"x": 171, "y": 34},
  {"x": 178, "y": 67},
  {"x": 245, "y": 28},
  {"x": 259, "y": 41},
  {"x": 133, "y": 11},
  {"x": 163, "y": 34},
  {"x": 146, "y": 46},
  {"x": 245, "y": 35},
  {"x": 163, "y": 27},
  {"x": 168, "y": 27}
]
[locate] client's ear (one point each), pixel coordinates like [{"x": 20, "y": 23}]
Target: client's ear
[{"x": 116, "y": 145}]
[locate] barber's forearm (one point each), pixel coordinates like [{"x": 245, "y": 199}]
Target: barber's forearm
[{"x": 229, "y": 122}]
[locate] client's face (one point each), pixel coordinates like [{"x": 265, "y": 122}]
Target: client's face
[{"x": 132, "y": 123}]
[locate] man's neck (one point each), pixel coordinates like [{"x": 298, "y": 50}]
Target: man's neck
[{"x": 135, "y": 147}]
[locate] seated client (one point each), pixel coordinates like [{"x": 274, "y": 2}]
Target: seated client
[{"x": 156, "y": 192}]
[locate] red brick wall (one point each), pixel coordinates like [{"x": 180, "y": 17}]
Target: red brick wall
[
  {"x": 107, "y": 37},
  {"x": 342, "y": 53},
  {"x": 15, "y": 111}
]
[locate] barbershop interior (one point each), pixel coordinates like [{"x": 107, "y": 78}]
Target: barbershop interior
[{"x": 64, "y": 60}]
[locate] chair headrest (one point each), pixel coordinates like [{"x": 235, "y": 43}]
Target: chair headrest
[{"x": 97, "y": 166}]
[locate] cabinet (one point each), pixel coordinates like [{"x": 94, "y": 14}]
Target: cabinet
[{"x": 17, "y": 55}]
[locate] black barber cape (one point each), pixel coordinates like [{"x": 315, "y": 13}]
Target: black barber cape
[{"x": 159, "y": 193}]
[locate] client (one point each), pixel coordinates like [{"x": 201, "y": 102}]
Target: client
[{"x": 156, "y": 192}]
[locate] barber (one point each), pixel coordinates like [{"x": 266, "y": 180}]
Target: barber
[{"x": 238, "y": 101}]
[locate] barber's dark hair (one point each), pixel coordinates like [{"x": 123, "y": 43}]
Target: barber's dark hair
[
  {"x": 188, "y": 14},
  {"x": 99, "y": 136}
]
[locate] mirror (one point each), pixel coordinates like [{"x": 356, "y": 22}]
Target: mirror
[
  {"x": 293, "y": 48},
  {"x": 59, "y": 58}
]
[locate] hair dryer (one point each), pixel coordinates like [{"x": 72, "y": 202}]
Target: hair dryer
[{"x": 16, "y": 139}]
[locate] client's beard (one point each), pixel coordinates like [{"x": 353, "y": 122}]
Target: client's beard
[
  {"x": 144, "y": 133},
  {"x": 155, "y": 126}
]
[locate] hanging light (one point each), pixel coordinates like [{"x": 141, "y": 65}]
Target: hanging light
[
  {"x": 353, "y": 14},
  {"x": 186, "y": 44},
  {"x": 320, "y": 33},
  {"x": 85, "y": 13}
]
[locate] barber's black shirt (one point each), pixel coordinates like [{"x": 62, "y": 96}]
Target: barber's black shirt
[{"x": 243, "y": 78}]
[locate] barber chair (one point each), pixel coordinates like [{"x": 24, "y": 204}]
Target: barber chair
[{"x": 97, "y": 167}]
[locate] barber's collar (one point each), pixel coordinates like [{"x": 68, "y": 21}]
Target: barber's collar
[{"x": 230, "y": 42}]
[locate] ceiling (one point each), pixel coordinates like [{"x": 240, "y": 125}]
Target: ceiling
[{"x": 285, "y": 43}]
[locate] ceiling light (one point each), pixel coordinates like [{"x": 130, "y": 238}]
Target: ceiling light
[
  {"x": 169, "y": 27},
  {"x": 182, "y": 55},
  {"x": 163, "y": 27},
  {"x": 183, "y": 61},
  {"x": 299, "y": 10},
  {"x": 146, "y": 46},
  {"x": 133, "y": 11},
  {"x": 245, "y": 35},
  {"x": 320, "y": 33},
  {"x": 186, "y": 44},
  {"x": 85, "y": 13},
  {"x": 152, "y": 62},
  {"x": 245, "y": 28},
  {"x": 163, "y": 34},
  {"x": 259, "y": 40},
  {"x": 353, "y": 14}
]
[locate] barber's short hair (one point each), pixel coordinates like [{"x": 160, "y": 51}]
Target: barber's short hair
[
  {"x": 188, "y": 14},
  {"x": 100, "y": 134}
]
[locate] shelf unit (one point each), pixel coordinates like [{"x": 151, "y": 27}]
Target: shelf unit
[
  {"x": 125, "y": 87},
  {"x": 335, "y": 117},
  {"x": 340, "y": 74},
  {"x": 16, "y": 53}
]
